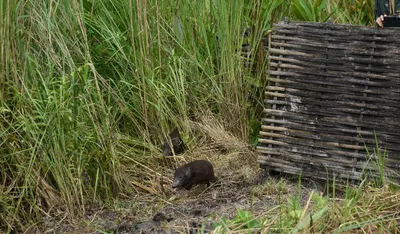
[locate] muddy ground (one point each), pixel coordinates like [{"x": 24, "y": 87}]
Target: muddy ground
[{"x": 187, "y": 211}]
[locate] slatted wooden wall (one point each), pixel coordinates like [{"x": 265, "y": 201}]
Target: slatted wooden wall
[{"x": 329, "y": 88}]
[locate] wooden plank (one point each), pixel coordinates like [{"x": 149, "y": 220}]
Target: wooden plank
[
  {"x": 332, "y": 157},
  {"x": 301, "y": 128},
  {"x": 309, "y": 169},
  {"x": 337, "y": 86},
  {"x": 335, "y": 124},
  {"x": 313, "y": 158},
  {"x": 325, "y": 93},
  {"x": 315, "y": 63},
  {"x": 339, "y": 77}
]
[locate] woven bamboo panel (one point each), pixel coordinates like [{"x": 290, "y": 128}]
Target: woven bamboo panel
[{"x": 329, "y": 88}]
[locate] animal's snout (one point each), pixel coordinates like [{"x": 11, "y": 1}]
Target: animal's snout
[{"x": 175, "y": 184}]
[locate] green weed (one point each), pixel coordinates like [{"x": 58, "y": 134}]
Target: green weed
[{"x": 243, "y": 221}]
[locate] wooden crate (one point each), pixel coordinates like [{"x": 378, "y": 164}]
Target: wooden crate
[{"x": 330, "y": 87}]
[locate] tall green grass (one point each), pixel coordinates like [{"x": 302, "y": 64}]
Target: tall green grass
[
  {"x": 88, "y": 87},
  {"x": 357, "y": 12},
  {"x": 310, "y": 10}
]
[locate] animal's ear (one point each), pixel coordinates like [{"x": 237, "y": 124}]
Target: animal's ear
[{"x": 187, "y": 171}]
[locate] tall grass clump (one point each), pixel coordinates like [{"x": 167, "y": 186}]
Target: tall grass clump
[
  {"x": 377, "y": 170},
  {"x": 56, "y": 125},
  {"x": 310, "y": 10},
  {"x": 90, "y": 88},
  {"x": 356, "y": 12}
]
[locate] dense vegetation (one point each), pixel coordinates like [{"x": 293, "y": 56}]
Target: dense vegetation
[{"x": 89, "y": 89}]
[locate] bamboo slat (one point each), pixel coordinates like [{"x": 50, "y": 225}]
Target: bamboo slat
[{"x": 330, "y": 89}]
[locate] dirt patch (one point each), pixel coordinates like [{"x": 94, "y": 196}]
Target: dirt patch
[
  {"x": 194, "y": 211},
  {"x": 186, "y": 211}
]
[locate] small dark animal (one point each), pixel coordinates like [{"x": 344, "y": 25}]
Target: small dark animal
[
  {"x": 161, "y": 217},
  {"x": 177, "y": 144},
  {"x": 196, "y": 172}
]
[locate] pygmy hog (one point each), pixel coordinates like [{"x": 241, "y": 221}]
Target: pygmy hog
[
  {"x": 196, "y": 172},
  {"x": 177, "y": 144}
]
